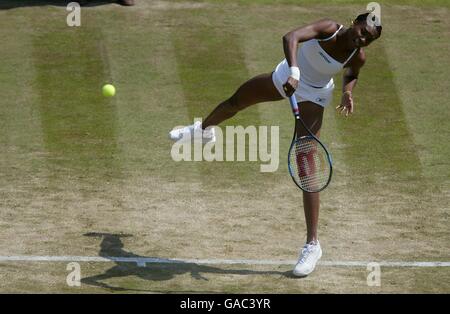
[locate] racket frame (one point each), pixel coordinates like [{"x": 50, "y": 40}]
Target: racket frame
[{"x": 296, "y": 112}]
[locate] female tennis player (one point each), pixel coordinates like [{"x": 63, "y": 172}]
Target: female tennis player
[{"x": 327, "y": 48}]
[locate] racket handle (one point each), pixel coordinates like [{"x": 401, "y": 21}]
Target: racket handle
[{"x": 294, "y": 105}]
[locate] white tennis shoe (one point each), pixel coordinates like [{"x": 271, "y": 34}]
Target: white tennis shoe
[
  {"x": 193, "y": 131},
  {"x": 309, "y": 256}
]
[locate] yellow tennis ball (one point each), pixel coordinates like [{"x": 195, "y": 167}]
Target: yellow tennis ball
[{"x": 108, "y": 90}]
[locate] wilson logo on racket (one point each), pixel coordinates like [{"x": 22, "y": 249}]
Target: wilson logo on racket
[{"x": 307, "y": 164}]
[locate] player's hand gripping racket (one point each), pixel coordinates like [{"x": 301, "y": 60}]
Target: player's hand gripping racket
[{"x": 309, "y": 162}]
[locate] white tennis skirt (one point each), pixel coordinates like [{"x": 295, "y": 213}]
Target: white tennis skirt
[{"x": 321, "y": 96}]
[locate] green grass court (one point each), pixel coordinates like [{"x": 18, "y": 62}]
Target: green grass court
[{"x": 73, "y": 163}]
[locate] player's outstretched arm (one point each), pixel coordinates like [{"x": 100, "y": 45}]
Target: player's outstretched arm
[
  {"x": 320, "y": 29},
  {"x": 350, "y": 77}
]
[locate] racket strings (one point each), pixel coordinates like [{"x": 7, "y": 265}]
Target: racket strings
[{"x": 309, "y": 165}]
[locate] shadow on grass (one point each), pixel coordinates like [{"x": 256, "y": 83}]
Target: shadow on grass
[
  {"x": 112, "y": 246},
  {"x": 11, "y": 4}
]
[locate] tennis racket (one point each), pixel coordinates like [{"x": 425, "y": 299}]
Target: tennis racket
[{"x": 309, "y": 162}]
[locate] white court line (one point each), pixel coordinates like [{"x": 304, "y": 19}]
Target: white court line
[{"x": 141, "y": 261}]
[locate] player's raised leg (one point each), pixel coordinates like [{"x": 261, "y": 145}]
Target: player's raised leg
[
  {"x": 256, "y": 90},
  {"x": 312, "y": 115}
]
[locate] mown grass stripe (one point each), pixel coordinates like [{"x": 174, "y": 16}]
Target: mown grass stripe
[
  {"x": 211, "y": 66},
  {"x": 78, "y": 123},
  {"x": 378, "y": 141}
]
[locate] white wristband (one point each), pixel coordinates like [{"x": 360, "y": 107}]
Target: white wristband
[{"x": 295, "y": 73}]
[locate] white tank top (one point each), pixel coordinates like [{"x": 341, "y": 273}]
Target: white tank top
[{"x": 317, "y": 67}]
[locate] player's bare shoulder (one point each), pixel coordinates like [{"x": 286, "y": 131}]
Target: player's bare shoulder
[{"x": 326, "y": 27}]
